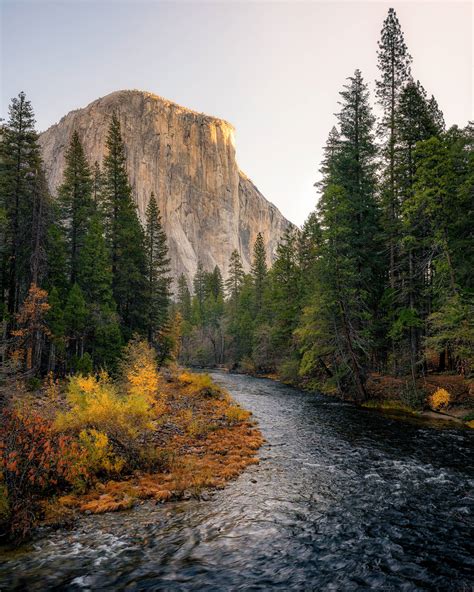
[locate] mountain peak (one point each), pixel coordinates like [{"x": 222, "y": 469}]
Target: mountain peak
[{"x": 187, "y": 159}]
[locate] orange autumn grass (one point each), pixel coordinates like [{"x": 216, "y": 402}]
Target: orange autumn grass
[{"x": 212, "y": 442}]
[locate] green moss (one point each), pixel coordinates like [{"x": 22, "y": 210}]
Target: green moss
[{"x": 389, "y": 405}]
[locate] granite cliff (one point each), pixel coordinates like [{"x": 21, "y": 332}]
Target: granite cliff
[{"x": 209, "y": 207}]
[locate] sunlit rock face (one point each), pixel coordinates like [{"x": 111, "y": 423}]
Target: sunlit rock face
[{"x": 209, "y": 207}]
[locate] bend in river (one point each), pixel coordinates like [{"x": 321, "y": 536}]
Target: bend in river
[{"x": 343, "y": 500}]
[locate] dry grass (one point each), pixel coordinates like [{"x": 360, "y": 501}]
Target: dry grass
[{"x": 205, "y": 436}]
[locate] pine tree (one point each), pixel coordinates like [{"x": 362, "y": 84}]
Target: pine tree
[
  {"x": 214, "y": 283},
  {"x": 355, "y": 172},
  {"x": 56, "y": 326},
  {"x": 240, "y": 322},
  {"x": 285, "y": 294},
  {"x": 259, "y": 273},
  {"x": 199, "y": 287},
  {"x": 76, "y": 317},
  {"x": 415, "y": 123},
  {"x": 309, "y": 245},
  {"x": 97, "y": 185},
  {"x": 336, "y": 332},
  {"x": 57, "y": 256},
  {"x": 328, "y": 166},
  {"x": 235, "y": 277},
  {"x": 394, "y": 65},
  {"x": 436, "y": 115},
  {"x": 125, "y": 237},
  {"x": 75, "y": 197},
  {"x": 94, "y": 266},
  {"x": 158, "y": 278},
  {"x": 184, "y": 299},
  {"x": 24, "y": 203},
  {"x": 212, "y": 317},
  {"x": 439, "y": 219}
]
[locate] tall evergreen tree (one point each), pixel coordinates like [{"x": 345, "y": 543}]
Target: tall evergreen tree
[
  {"x": 394, "y": 66},
  {"x": 335, "y": 333},
  {"x": 23, "y": 202},
  {"x": 97, "y": 185},
  {"x": 184, "y": 299},
  {"x": 259, "y": 273},
  {"x": 355, "y": 172},
  {"x": 235, "y": 277},
  {"x": 95, "y": 280},
  {"x": 199, "y": 287},
  {"x": 328, "y": 166},
  {"x": 215, "y": 283},
  {"x": 415, "y": 123},
  {"x": 439, "y": 219},
  {"x": 436, "y": 115},
  {"x": 75, "y": 195},
  {"x": 309, "y": 244},
  {"x": 285, "y": 293},
  {"x": 57, "y": 328},
  {"x": 57, "y": 256},
  {"x": 158, "y": 278},
  {"x": 94, "y": 266},
  {"x": 76, "y": 317},
  {"x": 125, "y": 237}
]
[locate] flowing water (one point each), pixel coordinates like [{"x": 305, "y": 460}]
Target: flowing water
[{"x": 343, "y": 499}]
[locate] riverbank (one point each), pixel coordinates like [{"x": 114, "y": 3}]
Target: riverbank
[
  {"x": 188, "y": 437},
  {"x": 204, "y": 438},
  {"x": 439, "y": 397},
  {"x": 390, "y": 394}
]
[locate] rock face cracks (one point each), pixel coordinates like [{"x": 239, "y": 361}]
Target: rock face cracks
[{"x": 209, "y": 207}]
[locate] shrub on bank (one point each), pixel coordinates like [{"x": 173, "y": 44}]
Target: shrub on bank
[
  {"x": 34, "y": 460},
  {"x": 139, "y": 370},
  {"x": 99, "y": 455},
  {"x": 199, "y": 385},
  {"x": 235, "y": 414},
  {"x": 440, "y": 399},
  {"x": 97, "y": 406}
]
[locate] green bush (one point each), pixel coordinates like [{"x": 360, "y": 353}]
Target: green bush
[{"x": 412, "y": 396}]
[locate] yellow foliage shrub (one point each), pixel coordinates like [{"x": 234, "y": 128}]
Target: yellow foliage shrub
[
  {"x": 52, "y": 388},
  {"x": 139, "y": 370},
  {"x": 99, "y": 455},
  {"x": 199, "y": 384},
  {"x": 440, "y": 399},
  {"x": 96, "y": 404},
  {"x": 235, "y": 414}
]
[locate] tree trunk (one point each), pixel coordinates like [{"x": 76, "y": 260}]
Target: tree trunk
[{"x": 354, "y": 363}]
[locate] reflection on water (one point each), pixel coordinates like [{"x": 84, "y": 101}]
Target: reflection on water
[{"x": 343, "y": 499}]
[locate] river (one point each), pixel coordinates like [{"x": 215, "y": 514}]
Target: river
[{"x": 343, "y": 499}]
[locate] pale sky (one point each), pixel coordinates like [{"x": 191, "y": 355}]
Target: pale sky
[{"x": 273, "y": 69}]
